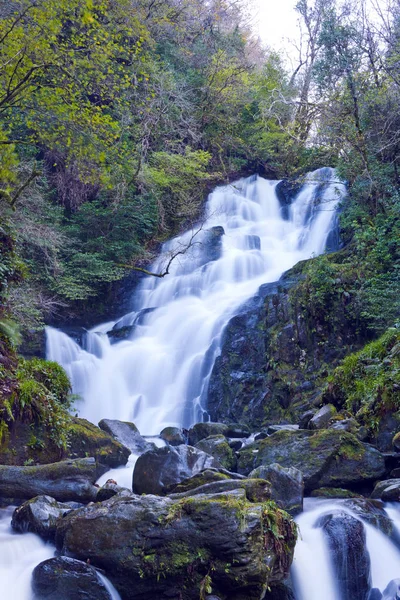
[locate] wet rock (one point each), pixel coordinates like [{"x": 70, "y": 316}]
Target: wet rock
[
  {"x": 235, "y": 444},
  {"x": 327, "y": 458},
  {"x": 396, "y": 442},
  {"x": 110, "y": 489},
  {"x": 287, "y": 486},
  {"x": 333, "y": 493},
  {"x": 387, "y": 425},
  {"x": 375, "y": 594},
  {"x": 281, "y": 591},
  {"x": 349, "y": 425},
  {"x": 321, "y": 419},
  {"x": 40, "y": 516},
  {"x": 285, "y": 427},
  {"x": 372, "y": 512},
  {"x": 306, "y": 418},
  {"x": 200, "y": 431},
  {"x": 202, "y": 478},
  {"x": 85, "y": 439},
  {"x": 154, "y": 547},
  {"x": 126, "y": 434},
  {"x": 347, "y": 546},
  {"x": 256, "y": 490},
  {"x": 219, "y": 448},
  {"x": 67, "y": 480},
  {"x": 212, "y": 244},
  {"x": 388, "y": 490},
  {"x": 158, "y": 470},
  {"x": 174, "y": 436},
  {"x": 69, "y": 579}
]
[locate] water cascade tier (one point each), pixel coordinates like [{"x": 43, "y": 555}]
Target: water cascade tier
[{"x": 158, "y": 377}]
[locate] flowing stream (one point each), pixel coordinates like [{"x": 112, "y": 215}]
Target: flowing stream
[{"x": 159, "y": 376}]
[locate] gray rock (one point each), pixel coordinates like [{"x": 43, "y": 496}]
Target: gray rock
[
  {"x": 327, "y": 458},
  {"x": 321, "y": 419},
  {"x": 174, "y": 436},
  {"x": 110, "y": 489},
  {"x": 67, "y": 480},
  {"x": 40, "y": 516},
  {"x": 306, "y": 418},
  {"x": 349, "y": 425},
  {"x": 285, "y": 427},
  {"x": 159, "y": 469},
  {"x": 200, "y": 431},
  {"x": 388, "y": 490},
  {"x": 287, "y": 486},
  {"x": 351, "y": 563},
  {"x": 256, "y": 490},
  {"x": 392, "y": 591},
  {"x": 127, "y": 434},
  {"x": 219, "y": 448},
  {"x": 153, "y": 547},
  {"x": 375, "y": 594},
  {"x": 69, "y": 579}
]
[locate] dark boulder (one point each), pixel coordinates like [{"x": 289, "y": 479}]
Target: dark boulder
[
  {"x": 287, "y": 486},
  {"x": 85, "y": 439},
  {"x": 200, "y": 431},
  {"x": 256, "y": 490},
  {"x": 155, "y": 548},
  {"x": 351, "y": 562},
  {"x": 327, "y": 458},
  {"x": 67, "y": 480},
  {"x": 69, "y": 579},
  {"x": 158, "y": 470},
  {"x": 219, "y": 448},
  {"x": 110, "y": 489},
  {"x": 392, "y": 590},
  {"x": 388, "y": 490},
  {"x": 321, "y": 419},
  {"x": 375, "y": 594},
  {"x": 40, "y": 516},
  {"x": 126, "y": 434},
  {"x": 174, "y": 436}
]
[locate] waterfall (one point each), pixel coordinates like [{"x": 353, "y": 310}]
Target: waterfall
[
  {"x": 312, "y": 570},
  {"x": 159, "y": 376}
]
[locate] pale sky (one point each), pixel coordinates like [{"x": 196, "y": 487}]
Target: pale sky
[{"x": 276, "y": 21}]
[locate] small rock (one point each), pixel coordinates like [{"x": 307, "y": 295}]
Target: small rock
[
  {"x": 285, "y": 427},
  {"x": 200, "y": 431},
  {"x": 126, "y": 434},
  {"x": 174, "y": 436},
  {"x": 321, "y": 419},
  {"x": 388, "y": 490},
  {"x": 287, "y": 486},
  {"x": 306, "y": 418},
  {"x": 40, "y": 516},
  {"x": 218, "y": 447}
]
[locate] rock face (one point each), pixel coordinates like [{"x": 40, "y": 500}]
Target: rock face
[
  {"x": 40, "y": 516},
  {"x": 327, "y": 458},
  {"x": 67, "y": 480},
  {"x": 351, "y": 563},
  {"x": 158, "y": 470},
  {"x": 68, "y": 579},
  {"x": 155, "y": 548},
  {"x": 287, "y": 486},
  {"x": 388, "y": 490},
  {"x": 126, "y": 434}
]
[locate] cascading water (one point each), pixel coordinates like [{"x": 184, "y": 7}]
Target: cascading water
[
  {"x": 159, "y": 376},
  {"x": 312, "y": 570}
]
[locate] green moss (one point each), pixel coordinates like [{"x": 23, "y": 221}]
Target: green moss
[{"x": 333, "y": 493}]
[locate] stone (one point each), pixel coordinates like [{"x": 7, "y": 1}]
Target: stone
[
  {"x": 219, "y": 448},
  {"x": 285, "y": 427},
  {"x": 174, "y": 436},
  {"x": 349, "y": 425},
  {"x": 200, "y": 431},
  {"x": 126, "y": 434},
  {"x": 392, "y": 590},
  {"x": 86, "y": 439},
  {"x": 396, "y": 442},
  {"x": 333, "y": 493},
  {"x": 67, "y": 480},
  {"x": 375, "y": 594},
  {"x": 110, "y": 489},
  {"x": 158, "y": 470},
  {"x": 306, "y": 418},
  {"x": 40, "y": 516},
  {"x": 322, "y": 417},
  {"x": 388, "y": 490},
  {"x": 327, "y": 458},
  {"x": 287, "y": 486},
  {"x": 256, "y": 490},
  {"x": 69, "y": 579},
  {"x": 346, "y": 539},
  {"x": 153, "y": 547}
]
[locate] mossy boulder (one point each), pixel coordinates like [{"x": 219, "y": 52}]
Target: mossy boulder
[
  {"x": 388, "y": 491},
  {"x": 85, "y": 439},
  {"x": 256, "y": 489},
  {"x": 174, "y": 436},
  {"x": 327, "y": 458},
  {"x": 218, "y": 447},
  {"x": 126, "y": 434},
  {"x": 153, "y": 547},
  {"x": 287, "y": 486},
  {"x": 68, "y": 480},
  {"x": 40, "y": 516}
]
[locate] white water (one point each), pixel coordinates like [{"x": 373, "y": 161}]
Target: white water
[
  {"x": 312, "y": 570},
  {"x": 159, "y": 377}
]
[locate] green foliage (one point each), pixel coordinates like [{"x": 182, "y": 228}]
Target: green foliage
[{"x": 367, "y": 383}]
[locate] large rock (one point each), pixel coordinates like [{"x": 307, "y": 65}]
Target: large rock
[
  {"x": 174, "y": 436},
  {"x": 256, "y": 490},
  {"x": 287, "y": 486},
  {"x": 351, "y": 563},
  {"x": 67, "y": 480},
  {"x": 155, "y": 548},
  {"x": 69, "y": 579},
  {"x": 88, "y": 440},
  {"x": 321, "y": 419},
  {"x": 388, "y": 490},
  {"x": 126, "y": 434},
  {"x": 219, "y": 448},
  {"x": 157, "y": 471},
  {"x": 40, "y": 516},
  {"x": 327, "y": 458}
]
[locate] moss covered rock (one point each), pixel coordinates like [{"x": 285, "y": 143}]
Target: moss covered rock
[
  {"x": 152, "y": 547},
  {"x": 218, "y": 447},
  {"x": 327, "y": 458},
  {"x": 85, "y": 439}
]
